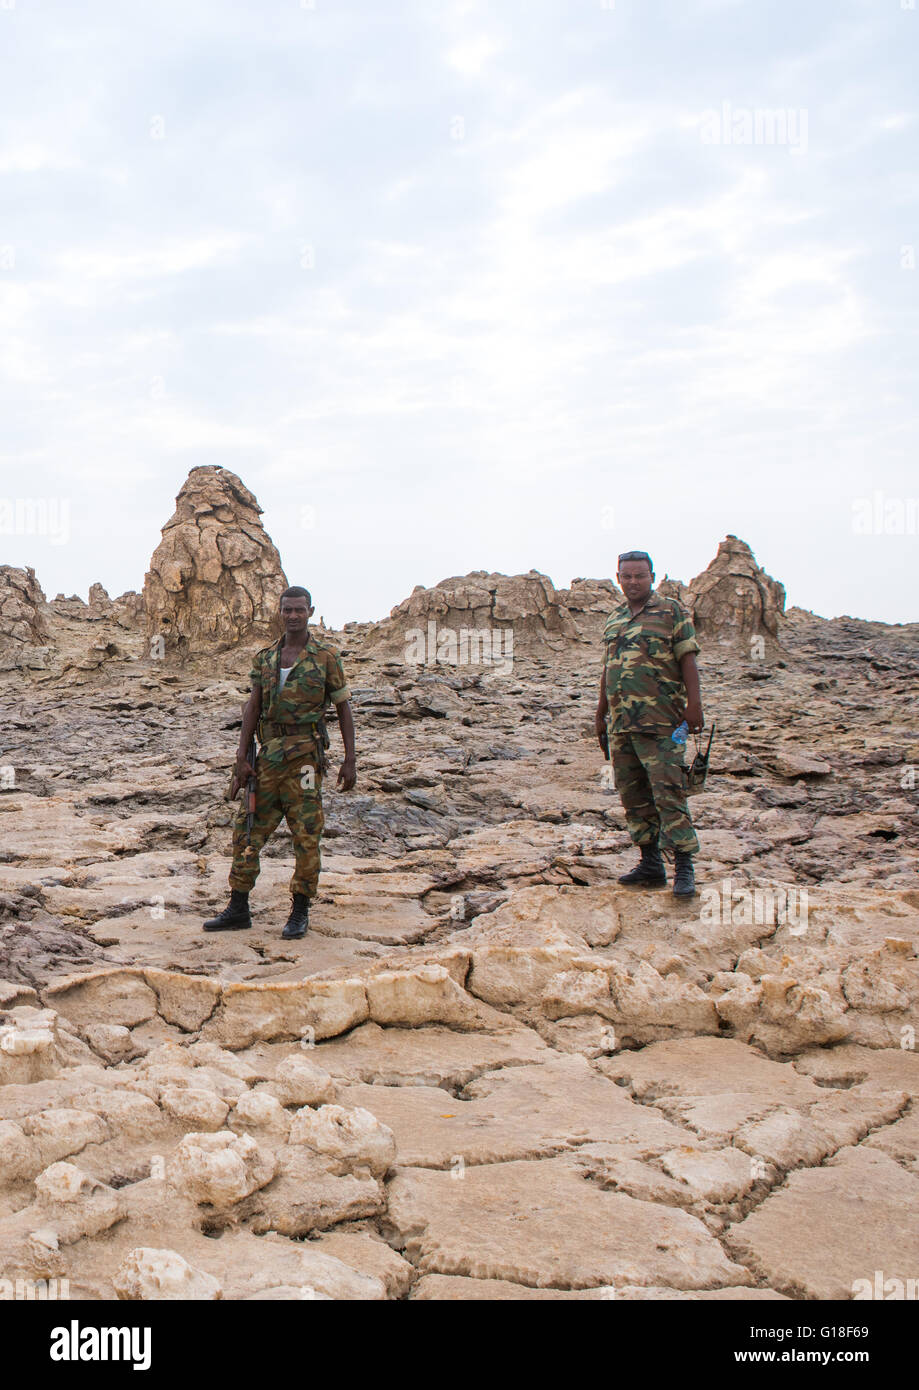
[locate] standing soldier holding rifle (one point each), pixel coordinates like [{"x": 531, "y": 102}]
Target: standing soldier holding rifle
[{"x": 292, "y": 682}]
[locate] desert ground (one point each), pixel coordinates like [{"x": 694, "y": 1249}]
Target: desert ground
[{"x": 488, "y": 1071}]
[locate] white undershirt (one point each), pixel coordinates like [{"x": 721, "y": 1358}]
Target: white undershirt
[{"x": 285, "y": 672}]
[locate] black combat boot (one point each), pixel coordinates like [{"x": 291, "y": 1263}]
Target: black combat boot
[
  {"x": 299, "y": 918},
  {"x": 649, "y": 872},
  {"x": 234, "y": 917},
  {"x": 684, "y": 880}
]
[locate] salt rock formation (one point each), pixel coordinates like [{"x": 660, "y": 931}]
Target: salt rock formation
[
  {"x": 128, "y": 607},
  {"x": 100, "y": 605},
  {"x": 299, "y": 1081},
  {"x": 675, "y": 588},
  {"x": 23, "y": 630},
  {"x": 485, "y": 619},
  {"x": 734, "y": 600},
  {"x": 125, "y": 610},
  {"x": 220, "y": 1168},
  {"x": 443, "y": 624},
  {"x": 163, "y": 1275},
  {"x": 216, "y": 577},
  {"x": 27, "y": 1044},
  {"x": 352, "y": 1136},
  {"x": 589, "y": 603}
]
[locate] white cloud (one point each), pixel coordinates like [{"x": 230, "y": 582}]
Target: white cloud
[
  {"x": 174, "y": 257},
  {"x": 470, "y": 57},
  {"x": 30, "y": 158}
]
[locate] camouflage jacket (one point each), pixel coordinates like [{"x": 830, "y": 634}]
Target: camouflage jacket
[
  {"x": 317, "y": 678},
  {"x": 644, "y": 684}
]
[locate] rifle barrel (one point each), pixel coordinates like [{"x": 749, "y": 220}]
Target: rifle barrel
[{"x": 250, "y": 791}]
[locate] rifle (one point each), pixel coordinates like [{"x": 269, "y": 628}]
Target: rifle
[
  {"x": 322, "y": 743},
  {"x": 250, "y": 791},
  {"x": 606, "y": 750}
]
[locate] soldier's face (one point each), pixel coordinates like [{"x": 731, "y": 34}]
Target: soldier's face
[
  {"x": 635, "y": 579},
  {"x": 295, "y": 613}
]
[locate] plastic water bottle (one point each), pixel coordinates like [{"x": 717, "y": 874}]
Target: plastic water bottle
[{"x": 680, "y": 733}]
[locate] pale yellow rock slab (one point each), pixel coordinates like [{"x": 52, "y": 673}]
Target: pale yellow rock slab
[
  {"x": 586, "y": 916},
  {"x": 542, "y": 1225},
  {"x": 429, "y": 1056},
  {"x": 310, "y": 1009},
  {"x": 418, "y": 995},
  {"x": 710, "y": 1066},
  {"x": 370, "y": 1256},
  {"x": 712, "y": 1085},
  {"x": 518, "y": 1112},
  {"x": 109, "y": 996},
  {"x": 154, "y": 881},
  {"x": 716, "y": 1176},
  {"x": 899, "y": 1141},
  {"x": 788, "y": 1138},
  {"x": 48, "y": 831},
  {"x": 185, "y": 1000},
  {"x": 830, "y": 1226},
  {"x": 389, "y": 921}
]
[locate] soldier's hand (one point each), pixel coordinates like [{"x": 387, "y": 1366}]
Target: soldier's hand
[
  {"x": 347, "y": 775},
  {"x": 244, "y": 770},
  {"x": 694, "y": 716},
  {"x": 602, "y": 736}
]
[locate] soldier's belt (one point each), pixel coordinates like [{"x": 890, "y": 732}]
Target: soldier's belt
[{"x": 274, "y": 730}]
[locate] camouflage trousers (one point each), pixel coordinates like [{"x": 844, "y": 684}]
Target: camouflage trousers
[
  {"x": 651, "y": 783},
  {"x": 292, "y": 790}
]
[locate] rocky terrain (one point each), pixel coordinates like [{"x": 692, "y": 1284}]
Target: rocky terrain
[{"x": 488, "y": 1071}]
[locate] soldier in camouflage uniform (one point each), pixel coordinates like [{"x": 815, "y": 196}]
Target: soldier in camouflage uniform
[
  {"x": 292, "y": 682},
  {"x": 650, "y": 685}
]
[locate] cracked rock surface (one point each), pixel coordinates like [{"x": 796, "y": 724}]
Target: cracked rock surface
[{"x": 488, "y": 1071}]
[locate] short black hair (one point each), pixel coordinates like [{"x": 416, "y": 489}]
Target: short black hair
[
  {"x": 637, "y": 555},
  {"x": 295, "y": 591}
]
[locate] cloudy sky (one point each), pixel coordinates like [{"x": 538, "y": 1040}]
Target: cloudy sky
[{"x": 465, "y": 284}]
